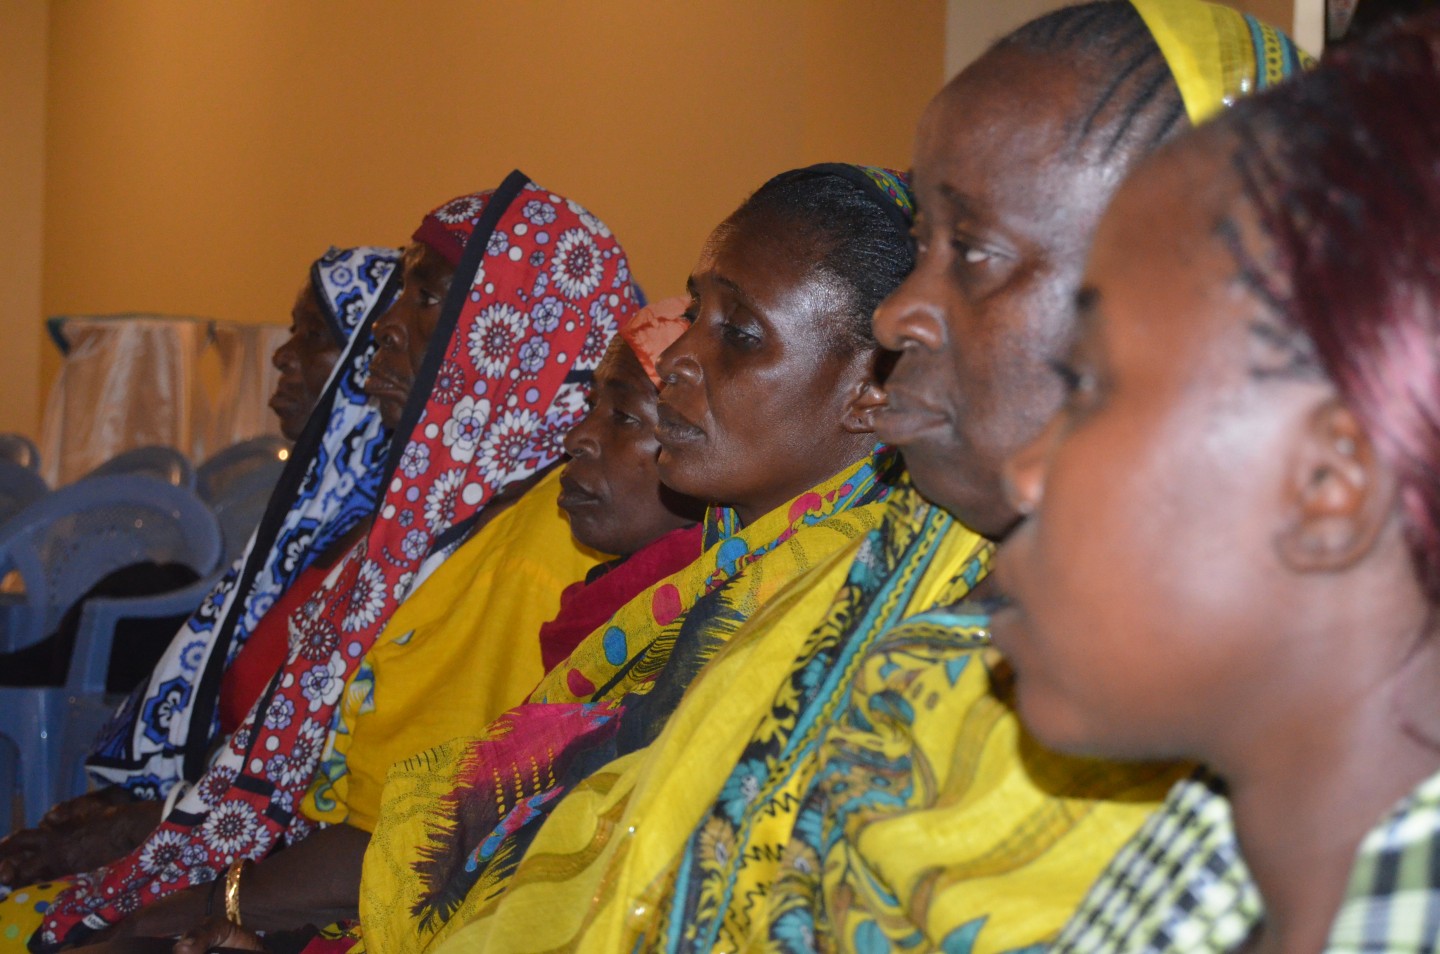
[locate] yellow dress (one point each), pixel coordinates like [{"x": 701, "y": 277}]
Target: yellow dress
[{"x": 462, "y": 649}]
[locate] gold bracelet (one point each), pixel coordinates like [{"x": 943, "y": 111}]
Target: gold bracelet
[{"x": 232, "y": 891}]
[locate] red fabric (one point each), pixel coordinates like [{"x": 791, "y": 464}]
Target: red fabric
[
  {"x": 264, "y": 652},
  {"x": 585, "y": 606}
]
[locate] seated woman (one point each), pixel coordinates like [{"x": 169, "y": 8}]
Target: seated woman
[
  {"x": 163, "y": 733},
  {"x": 611, "y": 489},
  {"x": 1249, "y": 449},
  {"x": 451, "y": 458},
  {"x": 305, "y": 361},
  {"x": 467, "y": 634}
]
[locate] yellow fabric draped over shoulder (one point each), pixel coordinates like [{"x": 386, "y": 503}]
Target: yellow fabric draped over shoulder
[
  {"x": 600, "y": 869},
  {"x": 461, "y": 650},
  {"x": 1218, "y": 54},
  {"x": 738, "y": 576},
  {"x": 627, "y": 653}
]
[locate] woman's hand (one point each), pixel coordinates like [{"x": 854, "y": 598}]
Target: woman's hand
[
  {"x": 77, "y": 835},
  {"x": 217, "y": 932}
]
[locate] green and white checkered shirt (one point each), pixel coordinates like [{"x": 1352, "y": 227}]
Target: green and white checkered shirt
[{"x": 1180, "y": 884}]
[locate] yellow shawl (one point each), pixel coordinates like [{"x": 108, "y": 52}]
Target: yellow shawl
[
  {"x": 461, "y": 650},
  {"x": 700, "y": 607}
]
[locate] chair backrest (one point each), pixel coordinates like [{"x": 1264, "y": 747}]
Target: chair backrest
[
  {"x": 19, "y": 488},
  {"x": 65, "y": 543},
  {"x": 242, "y": 505},
  {"x": 266, "y": 454},
  {"x": 162, "y": 463},
  {"x": 20, "y": 450}
]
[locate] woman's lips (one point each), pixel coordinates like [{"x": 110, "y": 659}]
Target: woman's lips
[
  {"x": 383, "y": 388},
  {"x": 285, "y": 401},
  {"x": 904, "y": 420},
  {"x": 672, "y": 428},
  {"x": 574, "y": 494}
]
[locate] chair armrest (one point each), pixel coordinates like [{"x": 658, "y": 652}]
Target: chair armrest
[{"x": 95, "y": 636}]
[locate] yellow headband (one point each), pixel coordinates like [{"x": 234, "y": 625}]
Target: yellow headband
[{"x": 1217, "y": 54}]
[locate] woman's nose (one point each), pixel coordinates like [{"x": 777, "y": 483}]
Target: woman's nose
[
  {"x": 913, "y": 314},
  {"x": 580, "y": 441},
  {"x": 285, "y": 359},
  {"x": 390, "y": 330},
  {"x": 678, "y": 362}
]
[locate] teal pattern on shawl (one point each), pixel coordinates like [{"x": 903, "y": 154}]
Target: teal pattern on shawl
[{"x": 878, "y": 593}]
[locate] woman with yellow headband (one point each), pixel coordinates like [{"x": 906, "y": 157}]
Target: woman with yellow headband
[{"x": 844, "y": 775}]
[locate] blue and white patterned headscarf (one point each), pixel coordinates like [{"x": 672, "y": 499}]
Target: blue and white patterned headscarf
[{"x": 163, "y": 732}]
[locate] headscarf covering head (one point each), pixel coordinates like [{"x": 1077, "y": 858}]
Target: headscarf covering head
[
  {"x": 653, "y": 329},
  {"x": 540, "y": 289},
  {"x": 163, "y": 732},
  {"x": 447, "y": 227},
  {"x": 1218, "y": 54},
  {"x": 347, "y": 283}
]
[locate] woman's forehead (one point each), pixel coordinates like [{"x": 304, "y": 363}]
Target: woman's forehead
[{"x": 998, "y": 149}]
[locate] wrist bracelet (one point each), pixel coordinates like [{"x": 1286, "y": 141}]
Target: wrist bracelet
[{"x": 232, "y": 891}]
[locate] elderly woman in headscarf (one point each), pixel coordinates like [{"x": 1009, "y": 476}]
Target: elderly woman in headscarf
[
  {"x": 494, "y": 383},
  {"x": 475, "y": 620},
  {"x": 163, "y": 733},
  {"x": 760, "y": 830}
]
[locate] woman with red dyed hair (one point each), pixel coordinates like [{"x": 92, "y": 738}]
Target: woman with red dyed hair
[{"x": 1231, "y": 550}]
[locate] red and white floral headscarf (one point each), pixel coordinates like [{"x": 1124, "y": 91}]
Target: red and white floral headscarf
[{"x": 541, "y": 287}]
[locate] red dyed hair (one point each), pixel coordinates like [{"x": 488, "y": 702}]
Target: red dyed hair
[{"x": 1343, "y": 166}]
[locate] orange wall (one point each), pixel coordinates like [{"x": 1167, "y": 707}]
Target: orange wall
[
  {"x": 22, "y": 184},
  {"x": 201, "y": 154}
]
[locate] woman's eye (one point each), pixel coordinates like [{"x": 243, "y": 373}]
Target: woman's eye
[
  {"x": 691, "y": 312},
  {"x": 917, "y": 241},
  {"x": 624, "y": 419},
  {"x": 969, "y": 252},
  {"x": 1081, "y": 385},
  {"x": 739, "y": 335}
]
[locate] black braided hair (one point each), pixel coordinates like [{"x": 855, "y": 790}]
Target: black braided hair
[
  {"x": 854, "y": 239},
  {"x": 1135, "y": 103}
]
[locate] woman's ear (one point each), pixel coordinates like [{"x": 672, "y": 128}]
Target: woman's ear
[
  {"x": 1339, "y": 495},
  {"x": 860, "y": 412}
]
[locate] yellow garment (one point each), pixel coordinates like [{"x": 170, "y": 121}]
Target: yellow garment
[
  {"x": 22, "y": 911},
  {"x": 461, "y": 650},
  {"x": 1218, "y": 54},
  {"x": 767, "y": 555},
  {"x": 599, "y": 866},
  {"x": 794, "y": 539},
  {"x": 997, "y": 840}
]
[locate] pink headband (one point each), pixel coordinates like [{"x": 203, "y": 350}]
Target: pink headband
[{"x": 655, "y": 328}]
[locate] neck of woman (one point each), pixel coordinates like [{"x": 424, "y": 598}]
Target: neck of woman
[{"x": 1311, "y": 785}]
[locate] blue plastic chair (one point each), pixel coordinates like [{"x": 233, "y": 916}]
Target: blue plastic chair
[
  {"x": 216, "y": 475},
  {"x": 156, "y": 460},
  {"x": 21, "y": 450},
  {"x": 61, "y": 547},
  {"x": 237, "y": 483},
  {"x": 19, "y": 488}
]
